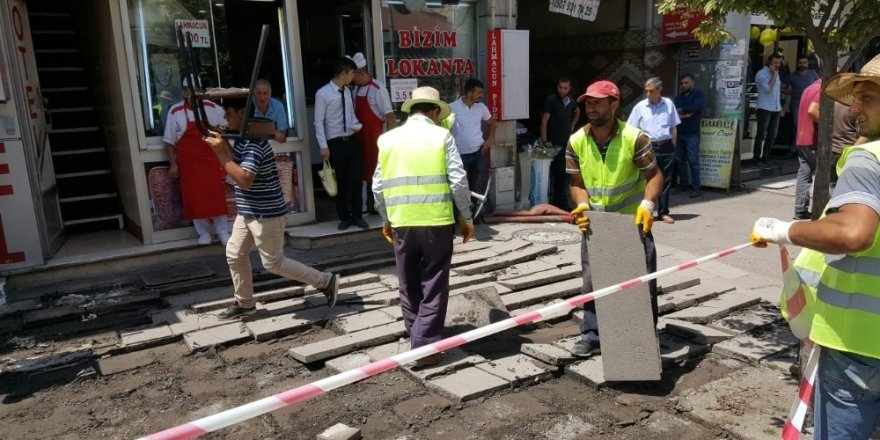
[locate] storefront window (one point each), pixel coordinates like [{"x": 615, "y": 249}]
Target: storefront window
[
  {"x": 224, "y": 53},
  {"x": 428, "y": 44}
]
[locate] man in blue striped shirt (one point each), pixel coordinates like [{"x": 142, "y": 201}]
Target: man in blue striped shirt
[{"x": 262, "y": 214}]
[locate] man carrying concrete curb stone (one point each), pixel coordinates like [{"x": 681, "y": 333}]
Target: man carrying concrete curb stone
[
  {"x": 419, "y": 181},
  {"x": 262, "y": 213},
  {"x": 612, "y": 167},
  {"x": 839, "y": 265}
]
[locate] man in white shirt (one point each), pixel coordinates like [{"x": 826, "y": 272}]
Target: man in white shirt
[
  {"x": 372, "y": 106},
  {"x": 335, "y": 125},
  {"x": 467, "y": 128},
  {"x": 657, "y": 117}
]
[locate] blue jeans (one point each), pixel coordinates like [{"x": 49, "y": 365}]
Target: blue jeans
[
  {"x": 473, "y": 166},
  {"x": 687, "y": 155},
  {"x": 847, "y": 404},
  {"x": 665, "y": 155}
]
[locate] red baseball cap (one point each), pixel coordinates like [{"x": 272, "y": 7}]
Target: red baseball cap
[{"x": 601, "y": 89}]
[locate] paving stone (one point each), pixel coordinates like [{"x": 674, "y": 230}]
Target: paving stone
[
  {"x": 548, "y": 353},
  {"x": 348, "y": 362},
  {"x": 387, "y": 350},
  {"x": 674, "y": 349},
  {"x": 33, "y": 318},
  {"x": 340, "y": 431},
  {"x": 472, "y": 245},
  {"x": 382, "y": 299},
  {"x": 505, "y": 260},
  {"x": 360, "y": 321},
  {"x": 494, "y": 286},
  {"x": 755, "y": 347},
  {"x": 198, "y": 297},
  {"x": 146, "y": 337},
  {"x": 547, "y": 318},
  {"x": 677, "y": 281},
  {"x": 340, "y": 345},
  {"x": 715, "y": 308},
  {"x": 125, "y": 362},
  {"x": 476, "y": 308},
  {"x": 700, "y": 334},
  {"x": 743, "y": 321},
  {"x": 472, "y": 257},
  {"x": 469, "y": 383},
  {"x": 629, "y": 342},
  {"x": 721, "y": 270},
  {"x": 523, "y": 269},
  {"x": 290, "y": 305},
  {"x": 281, "y": 325},
  {"x": 518, "y": 369},
  {"x": 394, "y": 311},
  {"x": 220, "y": 335},
  {"x": 461, "y": 281},
  {"x": 684, "y": 298},
  {"x": 541, "y": 278},
  {"x": 183, "y": 321},
  {"x": 49, "y": 361},
  {"x": 561, "y": 289},
  {"x": 453, "y": 360},
  {"x": 262, "y": 297},
  {"x": 513, "y": 245},
  {"x": 591, "y": 370},
  {"x": 567, "y": 343}
]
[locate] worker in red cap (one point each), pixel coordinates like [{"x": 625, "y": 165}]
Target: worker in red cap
[{"x": 613, "y": 169}]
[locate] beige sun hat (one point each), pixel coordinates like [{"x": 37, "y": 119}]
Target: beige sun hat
[
  {"x": 840, "y": 86},
  {"x": 427, "y": 95}
]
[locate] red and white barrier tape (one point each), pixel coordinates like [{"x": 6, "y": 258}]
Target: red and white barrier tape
[
  {"x": 239, "y": 414},
  {"x": 795, "y": 423}
]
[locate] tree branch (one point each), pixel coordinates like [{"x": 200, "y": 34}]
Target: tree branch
[{"x": 826, "y": 14}]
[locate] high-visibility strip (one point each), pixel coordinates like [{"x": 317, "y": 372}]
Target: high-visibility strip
[
  {"x": 611, "y": 192},
  {"x": 614, "y": 207},
  {"x": 414, "y": 180},
  {"x": 239, "y": 414},
  {"x": 795, "y": 422},
  {"x": 416, "y": 199},
  {"x": 797, "y": 310},
  {"x": 848, "y": 300}
]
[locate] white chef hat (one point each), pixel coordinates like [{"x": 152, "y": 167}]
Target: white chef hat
[{"x": 359, "y": 60}]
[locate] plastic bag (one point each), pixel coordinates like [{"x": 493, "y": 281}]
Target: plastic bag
[{"x": 328, "y": 179}]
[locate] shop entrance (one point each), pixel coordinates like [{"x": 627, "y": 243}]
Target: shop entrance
[{"x": 328, "y": 30}]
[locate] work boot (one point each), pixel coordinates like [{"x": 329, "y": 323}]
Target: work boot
[
  {"x": 583, "y": 348},
  {"x": 430, "y": 360},
  {"x": 235, "y": 311},
  {"x": 332, "y": 290}
]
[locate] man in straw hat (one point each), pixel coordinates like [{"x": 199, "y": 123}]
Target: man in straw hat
[
  {"x": 419, "y": 180},
  {"x": 840, "y": 269},
  {"x": 612, "y": 168}
]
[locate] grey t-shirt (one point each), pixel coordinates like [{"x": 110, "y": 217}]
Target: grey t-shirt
[
  {"x": 845, "y": 129},
  {"x": 859, "y": 182}
]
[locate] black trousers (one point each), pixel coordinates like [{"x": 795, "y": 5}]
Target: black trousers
[
  {"x": 590, "y": 324},
  {"x": 559, "y": 192},
  {"x": 345, "y": 158}
]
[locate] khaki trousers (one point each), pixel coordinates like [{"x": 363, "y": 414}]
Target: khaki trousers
[{"x": 267, "y": 235}]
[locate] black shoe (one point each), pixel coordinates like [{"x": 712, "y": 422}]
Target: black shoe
[
  {"x": 235, "y": 311},
  {"x": 694, "y": 194},
  {"x": 803, "y": 216},
  {"x": 765, "y": 164},
  {"x": 344, "y": 224},
  {"x": 332, "y": 290},
  {"x": 359, "y": 222},
  {"x": 583, "y": 348}
]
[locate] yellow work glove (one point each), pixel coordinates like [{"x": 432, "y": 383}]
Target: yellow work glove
[
  {"x": 770, "y": 230},
  {"x": 467, "y": 229},
  {"x": 645, "y": 215},
  {"x": 386, "y": 232},
  {"x": 580, "y": 217}
]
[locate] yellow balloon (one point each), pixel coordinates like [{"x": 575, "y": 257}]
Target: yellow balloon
[
  {"x": 810, "y": 48},
  {"x": 767, "y": 37},
  {"x": 755, "y": 33},
  {"x": 789, "y": 31}
]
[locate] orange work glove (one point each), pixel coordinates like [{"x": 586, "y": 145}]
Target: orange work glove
[
  {"x": 645, "y": 215},
  {"x": 386, "y": 232},
  {"x": 580, "y": 217},
  {"x": 467, "y": 229}
]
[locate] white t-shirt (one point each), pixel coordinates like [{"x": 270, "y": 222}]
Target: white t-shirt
[
  {"x": 179, "y": 115},
  {"x": 467, "y": 128},
  {"x": 377, "y": 96}
]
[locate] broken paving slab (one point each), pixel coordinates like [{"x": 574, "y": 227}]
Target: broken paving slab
[
  {"x": 626, "y": 324},
  {"x": 684, "y": 298},
  {"x": 547, "y": 353},
  {"x": 523, "y": 269},
  {"x": 192, "y": 270},
  {"x": 467, "y": 384},
  {"x": 339, "y": 345},
  {"x": 231, "y": 333},
  {"x": 286, "y": 324},
  {"x": 677, "y": 281},
  {"x": 385, "y": 351},
  {"x": 675, "y": 349},
  {"x": 541, "y": 278},
  {"x": 262, "y": 297},
  {"x": 715, "y": 308},
  {"x": 700, "y": 334},
  {"x": 461, "y": 281},
  {"x": 505, "y": 260},
  {"x": 340, "y": 431},
  {"x": 518, "y": 369},
  {"x": 471, "y": 257},
  {"x": 746, "y": 320},
  {"x": 146, "y": 337},
  {"x": 51, "y": 361},
  {"x": 361, "y": 321},
  {"x": 760, "y": 345},
  {"x": 590, "y": 370},
  {"x": 473, "y": 309},
  {"x": 348, "y": 362},
  {"x": 182, "y": 321},
  {"x": 501, "y": 290},
  {"x": 472, "y": 245},
  {"x": 561, "y": 289},
  {"x": 453, "y": 360},
  {"x": 546, "y": 318}
]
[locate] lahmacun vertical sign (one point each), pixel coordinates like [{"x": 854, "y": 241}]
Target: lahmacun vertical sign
[{"x": 495, "y": 76}]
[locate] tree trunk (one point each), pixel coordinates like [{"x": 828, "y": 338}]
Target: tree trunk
[{"x": 822, "y": 179}]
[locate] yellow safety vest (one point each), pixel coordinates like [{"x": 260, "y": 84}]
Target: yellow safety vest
[
  {"x": 614, "y": 184},
  {"x": 415, "y": 184},
  {"x": 847, "y": 296}
]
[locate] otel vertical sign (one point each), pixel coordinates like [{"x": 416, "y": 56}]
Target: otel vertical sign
[{"x": 494, "y": 97}]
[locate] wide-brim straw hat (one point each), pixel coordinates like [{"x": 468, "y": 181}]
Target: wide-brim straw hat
[
  {"x": 427, "y": 95},
  {"x": 840, "y": 86}
]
